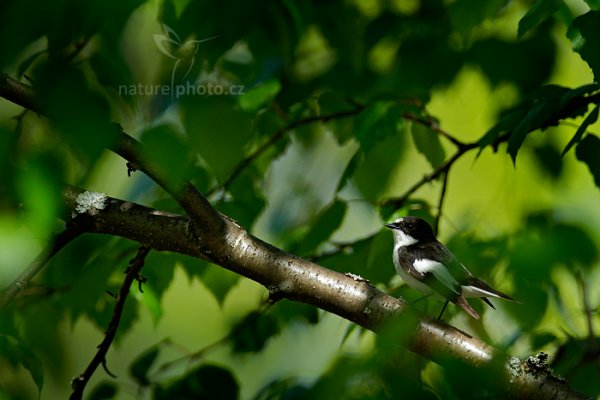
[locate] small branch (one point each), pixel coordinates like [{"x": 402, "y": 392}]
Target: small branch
[
  {"x": 433, "y": 125},
  {"x": 397, "y": 202},
  {"x": 243, "y": 164},
  {"x": 587, "y": 310},
  {"x": 132, "y": 273},
  {"x": 198, "y": 354},
  {"x": 441, "y": 202},
  {"x": 19, "y": 93},
  {"x": 56, "y": 244}
]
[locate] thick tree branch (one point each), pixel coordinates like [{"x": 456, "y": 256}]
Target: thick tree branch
[
  {"x": 290, "y": 277},
  {"x": 287, "y": 276}
]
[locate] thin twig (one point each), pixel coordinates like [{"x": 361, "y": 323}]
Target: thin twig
[
  {"x": 198, "y": 354},
  {"x": 132, "y": 273},
  {"x": 397, "y": 202},
  {"x": 587, "y": 310},
  {"x": 433, "y": 125},
  {"x": 441, "y": 201},
  {"x": 243, "y": 164},
  {"x": 19, "y": 93},
  {"x": 56, "y": 244}
]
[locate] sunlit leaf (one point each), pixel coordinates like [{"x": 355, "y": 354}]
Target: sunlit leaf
[
  {"x": 587, "y": 152},
  {"x": 585, "y": 39},
  {"x": 17, "y": 353},
  {"x": 152, "y": 302},
  {"x": 327, "y": 222},
  {"x": 539, "y": 12},
  {"x": 219, "y": 281},
  {"x": 218, "y": 132},
  {"x": 593, "y": 4},
  {"x": 467, "y": 14},
  {"x": 166, "y": 148},
  {"x": 259, "y": 96},
  {"x": 376, "y": 123},
  {"x": 39, "y": 187},
  {"x": 590, "y": 119},
  {"x": 428, "y": 143}
]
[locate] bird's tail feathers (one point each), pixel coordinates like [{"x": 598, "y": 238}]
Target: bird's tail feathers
[
  {"x": 462, "y": 303},
  {"x": 477, "y": 288}
]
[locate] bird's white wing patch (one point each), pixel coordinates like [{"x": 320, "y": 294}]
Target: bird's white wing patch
[{"x": 439, "y": 271}]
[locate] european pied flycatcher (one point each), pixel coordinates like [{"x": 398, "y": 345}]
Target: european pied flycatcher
[{"x": 428, "y": 266}]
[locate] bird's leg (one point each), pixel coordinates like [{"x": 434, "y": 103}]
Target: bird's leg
[{"x": 443, "y": 309}]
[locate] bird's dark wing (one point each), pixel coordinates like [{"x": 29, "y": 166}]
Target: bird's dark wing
[{"x": 425, "y": 263}]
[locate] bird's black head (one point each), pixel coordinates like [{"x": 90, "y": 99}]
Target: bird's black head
[{"x": 413, "y": 227}]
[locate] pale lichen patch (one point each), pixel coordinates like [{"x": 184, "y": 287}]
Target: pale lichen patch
[{"x": 90, "y": 202}]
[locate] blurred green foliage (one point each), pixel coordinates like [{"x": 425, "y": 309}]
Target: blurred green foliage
[{"x": 342, "y": 88}]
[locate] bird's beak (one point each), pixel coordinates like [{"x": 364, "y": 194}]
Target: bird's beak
[{"x": 391, "y": 226}]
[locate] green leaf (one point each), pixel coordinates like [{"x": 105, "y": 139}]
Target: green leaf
[
  {"x": 573, "y": 246},
  {"x": 141, "y": 365},
  {"x": 81, "y": 114},
  {"x": 24, "y": 65},
  {"x": 506, "y": 124},
  {"x": 104, "y": 391},
  {"x": 259, "y": 96},
  {"x": 206, "y": 382},
  {"x": 159, "y": 271},
  {"x": 16, "y": 353},
  {"x": 584, "y": 33},
  {"x": 287, "y": 311},
  {"x": 379, "y": 265},
  {"x": 532, "y": 120},
  {"x": 467, "y": 14},
  {"x": 590, "y": 119},
  {"x": 39, "y": 187},
  {"x": 593, "y": 4},
  {"x": 166, "y": 148},
  {"x": 247, "y": 201},
  {"x": 579, "y": 93},
  {"x": 538, "y": 13},
  {"x": 549, "y": 159},
  {"x": 354, "y": 162},
  {"x": 428, "y": 143},
  {"x": 152, "y": 302},
  {"x": 327, "y": 222},
  {"x": 218, "y": 131},
  {"x": 253, "y": 331},
  {"x": 219, "y": 281},
  {"x": 377, "y": 122},
  {"x": 587, "y": 151}
]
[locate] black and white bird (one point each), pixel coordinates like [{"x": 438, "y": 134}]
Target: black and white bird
[{"x": 428, "y": 266}]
